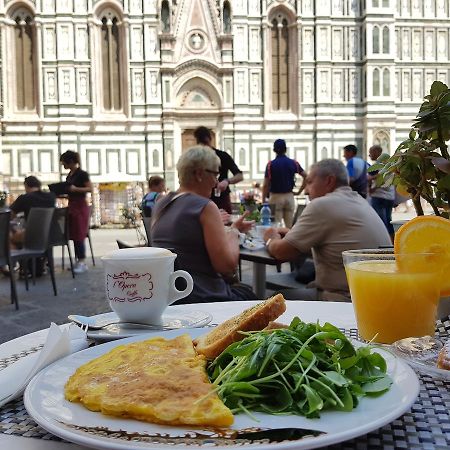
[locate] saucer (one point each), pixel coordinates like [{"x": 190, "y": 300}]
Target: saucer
[
  {"x": 421, "y": 354},
  {"x": 172, "y": 318}
]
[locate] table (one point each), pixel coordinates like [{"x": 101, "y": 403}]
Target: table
[
  {"x": 427, "y": 425},
  {"x": 259, "y": 258}
]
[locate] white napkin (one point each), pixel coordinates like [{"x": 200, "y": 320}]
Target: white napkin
[{"x": 59, "y": 343}]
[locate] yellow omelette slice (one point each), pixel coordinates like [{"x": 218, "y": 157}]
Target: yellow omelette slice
[{"x": 158, "y": 380}]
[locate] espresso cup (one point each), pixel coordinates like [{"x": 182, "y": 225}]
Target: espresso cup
[{"x": 140, "y": 283}]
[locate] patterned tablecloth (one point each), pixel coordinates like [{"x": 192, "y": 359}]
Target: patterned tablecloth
[{"x": 425, "y": 426}]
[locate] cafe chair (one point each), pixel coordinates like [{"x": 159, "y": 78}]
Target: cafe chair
[
  {"x": 5, "y": 257},
  {"x": 123, "y": 244},
  {"x": 36, "y": 244},
  {"x": 89, "y": 236},
  {"x": 59, "y": 235},
  {"x": 147, "y": 227}
]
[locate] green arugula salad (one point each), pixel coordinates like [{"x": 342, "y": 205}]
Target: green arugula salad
[{"x": 303, "y": 369}]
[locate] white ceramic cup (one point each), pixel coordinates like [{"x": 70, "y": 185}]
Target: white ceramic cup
[{"x": 140, "y": 283}]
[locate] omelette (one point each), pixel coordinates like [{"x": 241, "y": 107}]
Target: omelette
[{"x": 157, "y": 380}]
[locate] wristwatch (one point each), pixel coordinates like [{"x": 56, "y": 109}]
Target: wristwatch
[{"x": 268, "y": 242}]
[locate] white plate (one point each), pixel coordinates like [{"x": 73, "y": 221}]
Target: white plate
[
  {"x": 422, "y": 354},
  {"x": 44, "y": 400},
  {"x": 254, "y": 245},
  {"x": 172, "y": 317}
]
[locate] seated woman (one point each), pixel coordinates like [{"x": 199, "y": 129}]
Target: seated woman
[{"x": 190, "y": 224}]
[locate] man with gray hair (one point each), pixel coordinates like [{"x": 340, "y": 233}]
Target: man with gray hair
[{"x": 336, "y": 219}]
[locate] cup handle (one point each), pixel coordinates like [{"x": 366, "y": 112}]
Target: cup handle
[{"x": 174, "y": 293}]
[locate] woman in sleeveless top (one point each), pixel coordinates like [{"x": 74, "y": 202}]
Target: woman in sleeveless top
[
  {"x": 80, "y": 185},
  {"x": 190, "y": 224}
]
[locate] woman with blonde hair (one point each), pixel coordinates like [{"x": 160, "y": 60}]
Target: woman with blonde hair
[{"x": 190, "y": 224}]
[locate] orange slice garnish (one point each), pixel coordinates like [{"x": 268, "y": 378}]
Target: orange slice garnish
[{"x": 426, "y": 234}]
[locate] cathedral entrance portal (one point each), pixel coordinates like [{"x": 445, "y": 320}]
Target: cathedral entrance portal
[{"x": 188, "y": 140}]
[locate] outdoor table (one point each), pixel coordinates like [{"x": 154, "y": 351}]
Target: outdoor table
[
  {"x": 426, "y": 425},
  {"x": 259, "y": 258}
]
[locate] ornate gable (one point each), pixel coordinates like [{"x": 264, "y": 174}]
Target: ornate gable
[{"x": 196, "y": 30}]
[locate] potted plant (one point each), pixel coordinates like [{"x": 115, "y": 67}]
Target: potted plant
[
  {"x": 3, "y": 197},
  {"x": 421, "y": 164}
]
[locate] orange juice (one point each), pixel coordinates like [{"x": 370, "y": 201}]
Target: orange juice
[{"x": 391, "y": 304}]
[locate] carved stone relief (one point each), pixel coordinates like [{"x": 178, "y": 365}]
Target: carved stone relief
[
  {"x": 240, "y": 83},
  {"x": 442, "y": 44},
  {"x": 337, "y": 86},
  {"x": 254, "y": 86},
  {"x": 417, "y": 51},
  {"x": 48, "y": 6},
  {"x": 397, "y": 85},
  {"x": 50, "y": 43},
  {"x": 83, "y": 84},
  {"x": 417, "y": 85},
  {"x": 406, "y": 86},
  {"x": 51, "y": 86},
  {"x": 82, "y": 43},
  {"x": 254, "y": 43},
  {"x": 80, "y": 6},
  {"x": 337, "y": 7},
  {"x": 154, "y": 84},
  {"x": 323, "y": 42},
  {"x": 136, "y": 39},
  {"x": 253, "y": 6},
  {"x": 152, "y": 40},
  {"x": 65, "y": 41},
  {"x": 441, "y": 7},
  {"x": 138, "y": 86},
  {"x": 337, "y": 43},
  {"x": 307, "y": 86},
  {"x": 324, "y": 83},
  {"x": 429, "y": 80},
  {"x": 429, "y": 45},
  {"x": 354, "y": 85},
  {"x": 406, "y": 44},
  {"x": 66, "y": 85},
  {"x": 307, "y": 44},
  {"x": 307, "y": 6}
]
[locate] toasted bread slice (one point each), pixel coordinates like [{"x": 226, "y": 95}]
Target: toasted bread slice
[
  {"x": 252, "y": 319},
  {"x": 275, "y": 326},
  {"x": 443, "y": 361}
]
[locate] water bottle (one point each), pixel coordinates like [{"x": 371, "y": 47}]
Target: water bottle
[{"x": 265, "y": 214}]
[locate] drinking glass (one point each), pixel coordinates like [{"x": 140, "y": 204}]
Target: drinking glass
[{"x": 394, "y": 296}]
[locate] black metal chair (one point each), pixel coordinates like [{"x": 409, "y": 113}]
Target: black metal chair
[
  {"x": 59, "y": 236},
  {"x": 36, "y": 244},
  {"x": 5, "y": 256},
  {"x": 89, "y": 236}
]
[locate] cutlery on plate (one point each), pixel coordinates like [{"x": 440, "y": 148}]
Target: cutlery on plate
[
  {"x": 98, "y": 323},
  {"x": 276, "y": 434}
]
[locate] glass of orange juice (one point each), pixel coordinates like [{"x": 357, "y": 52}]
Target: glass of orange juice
[{"x": 394, "y": 296}]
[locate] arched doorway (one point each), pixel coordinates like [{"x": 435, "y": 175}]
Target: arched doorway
[{"x": 188, "y": 140}]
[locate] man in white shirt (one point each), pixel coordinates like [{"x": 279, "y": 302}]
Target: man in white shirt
[{"x": 336, "y": 219}]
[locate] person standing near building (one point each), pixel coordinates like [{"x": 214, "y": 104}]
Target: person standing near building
[
  {"x": 156, "y": 188},
  {"x": 79, "y": 186},
  {"x": 357, "y": 170},
  {"x": 279, "y": 180},
  {"x": 221, "y": 193},
  {"x": 382, "y": 197}
]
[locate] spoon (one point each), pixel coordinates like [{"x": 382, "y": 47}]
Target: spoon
[{"x": 93, "y": 323}]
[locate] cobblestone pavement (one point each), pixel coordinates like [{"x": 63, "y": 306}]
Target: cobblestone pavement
[{"x": 82, "y": 295}]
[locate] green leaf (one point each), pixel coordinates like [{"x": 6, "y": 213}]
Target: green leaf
[
  {"x": 444, "y": 183},
  {"x": 315, "y": 402},
  {"x": 437, "y": 88},
  {"x": 378, "y": 386}
]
